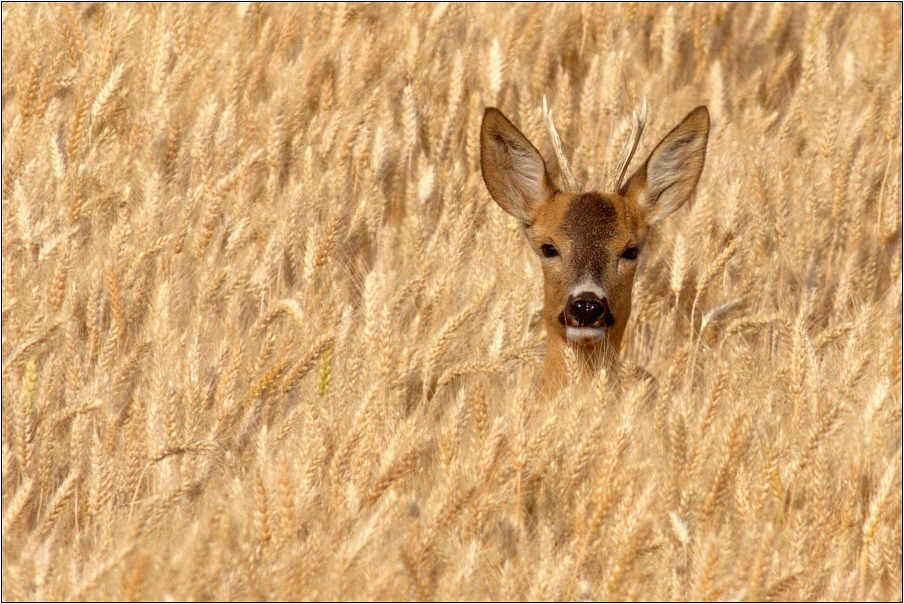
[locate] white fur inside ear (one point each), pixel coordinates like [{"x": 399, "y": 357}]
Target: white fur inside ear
[
  {"x": 672, "y": 172},
  {"x": 526, "y": 178},
  {"x": 670, "y": 162},
  {"x": 513, "y": 169}
]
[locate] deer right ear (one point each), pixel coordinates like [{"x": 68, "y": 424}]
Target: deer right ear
[
  {"x": 513, "y": 169},
  {"x": 666, "y": 181}
]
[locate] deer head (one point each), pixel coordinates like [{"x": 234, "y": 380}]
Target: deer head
[{"x": 589, "y": 242}]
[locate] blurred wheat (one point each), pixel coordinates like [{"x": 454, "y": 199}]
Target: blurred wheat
[{"x": 265, "y": 334}]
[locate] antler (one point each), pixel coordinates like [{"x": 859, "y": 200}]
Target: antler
[
  {"x": 568, "y": 179},
  {"x": 630, "y": 147}
]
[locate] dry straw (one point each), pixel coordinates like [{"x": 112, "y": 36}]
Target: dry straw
[{"x": 266, "y": 337}]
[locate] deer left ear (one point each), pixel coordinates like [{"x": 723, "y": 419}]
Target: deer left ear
[
  {"x": 513, "y": 169},
  {"x": 669, "y": 176}
]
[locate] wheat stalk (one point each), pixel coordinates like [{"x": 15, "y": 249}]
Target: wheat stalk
[{"x": 265, "y": 332}]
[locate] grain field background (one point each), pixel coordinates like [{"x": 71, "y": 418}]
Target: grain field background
[{"x": 267, "y": 336}]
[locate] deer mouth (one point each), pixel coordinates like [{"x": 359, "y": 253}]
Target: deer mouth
[
  {"x": 585, "y": 334},
  {"x": 575, "y": 331}
]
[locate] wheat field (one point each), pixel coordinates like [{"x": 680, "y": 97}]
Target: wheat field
[{"x": 267, "y": 336}]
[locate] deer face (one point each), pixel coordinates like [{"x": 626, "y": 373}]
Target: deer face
[{"x": 589, "y": 243}]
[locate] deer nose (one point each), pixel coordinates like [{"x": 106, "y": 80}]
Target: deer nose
[{"x": 587, "y": 310}]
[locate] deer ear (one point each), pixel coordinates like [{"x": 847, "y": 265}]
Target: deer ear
[
  {"x": 668, "y": 177},
  {"x": 513, "y": 169}
]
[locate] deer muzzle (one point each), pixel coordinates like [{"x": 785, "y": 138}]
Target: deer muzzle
[{"x": 586, "y": 316}]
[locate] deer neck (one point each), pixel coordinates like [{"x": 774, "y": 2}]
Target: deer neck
[{"x": 590, "y": 358}]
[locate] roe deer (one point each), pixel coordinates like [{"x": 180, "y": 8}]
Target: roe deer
[{"x": 588, "y": 242}]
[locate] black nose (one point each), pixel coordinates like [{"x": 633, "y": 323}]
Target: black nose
[{"x": 587, "y": 310}]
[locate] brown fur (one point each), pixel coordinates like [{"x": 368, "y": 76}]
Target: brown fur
[{"x": 591, "y": 231}]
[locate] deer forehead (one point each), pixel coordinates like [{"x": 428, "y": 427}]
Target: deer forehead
[{"x": 589, "y": 223}]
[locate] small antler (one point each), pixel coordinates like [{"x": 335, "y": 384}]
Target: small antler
[
  {"x": 638, "y": 123},
  {"x": 568, "y": 179}
]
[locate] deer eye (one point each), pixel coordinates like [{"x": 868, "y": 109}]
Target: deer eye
[
  {"x": 630, "y": 253},
  {"x": 549, "y": 251}
]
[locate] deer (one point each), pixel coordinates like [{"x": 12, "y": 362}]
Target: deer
[{"x": 589, "y": 242}]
